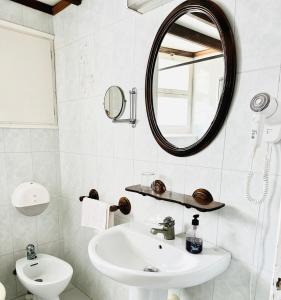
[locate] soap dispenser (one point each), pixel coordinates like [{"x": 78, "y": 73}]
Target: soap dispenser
[{"x": 194, "y": 244}]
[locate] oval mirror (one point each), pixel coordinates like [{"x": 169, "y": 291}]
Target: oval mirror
[
  {"x": 114, "y": 102},
  {"x": 190, "y": 77}
]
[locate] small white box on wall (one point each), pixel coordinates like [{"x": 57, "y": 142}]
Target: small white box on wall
[{"x": 143, "y": 6}]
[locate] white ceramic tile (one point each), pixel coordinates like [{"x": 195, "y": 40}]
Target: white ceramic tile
[
  {"x": 105, "y": 178},
  {"x": 123, "y": 54},
  {"x": 124, "y": 140},
  {"x": 6, "y": 275},
  {"x": 4, "y": 199},
  {"x": 17, "y": 140},
  {"x": 37, "y": 20},
  {"x": 10, "y": 11},
  {"x": 237, "y": 145},
  {"x": 234, "y": 282},
  {"x": 212, "y": 156},
  {"x": 200, "y": 292},
  {"x": 44, "y": 140},
  {"x": 48, "y": 224},
  {"x": 89, "y": 173},
  {"x": 46, "y": 170},
  {"x": 141, "y": 167},
  {"x": 2, "y": 140},
  {"x": 123, "y": 176},
  {"x": 255, "y": 38},
  {"x": 24, "y": 229},
  {"x": 70, "y": 76},
  {"x": 173, "y": 176},
  {"x": 89, "y": 127},
  {"x": 52, "y": 248},
  {"x": 145, "y": 146},
  {"x": 70, "y": 175},
  {"x": 109, "y": 156},
  {"x": 6, "y": 245},
  {"x": 105, "y": 132},
  {"x": 268, "y": 231},
  {"x": 74, "y": 294},
  {"x": 18, "y": 169},
  {"x": 238, "y": 219}
]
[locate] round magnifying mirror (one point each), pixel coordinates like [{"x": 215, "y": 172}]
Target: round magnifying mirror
[{"x": 114, "y": 102}]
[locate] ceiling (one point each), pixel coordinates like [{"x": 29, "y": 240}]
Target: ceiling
[{"x": 51, "y": 7}]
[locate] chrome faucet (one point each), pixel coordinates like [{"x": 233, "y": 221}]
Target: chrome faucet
[
  {"x": 30, "y": 252},
  {"x": 168, "y": 229}
]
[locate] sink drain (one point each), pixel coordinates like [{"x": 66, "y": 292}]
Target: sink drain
[
  {"x": 151, "y": 269},
  {"x": 39, "y": 280}
]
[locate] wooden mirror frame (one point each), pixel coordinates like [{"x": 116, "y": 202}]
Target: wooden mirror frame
[{"x": 216, "y": 14}]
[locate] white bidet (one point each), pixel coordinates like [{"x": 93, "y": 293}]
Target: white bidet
[{"x": 46, "y": 277}]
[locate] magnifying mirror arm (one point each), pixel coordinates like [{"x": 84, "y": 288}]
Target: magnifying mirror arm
[{"x": 133, "y": 109}]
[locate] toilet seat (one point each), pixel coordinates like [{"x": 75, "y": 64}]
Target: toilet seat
[{"x": 2, "y": 292}]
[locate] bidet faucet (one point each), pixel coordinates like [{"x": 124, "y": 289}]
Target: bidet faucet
[
  {"x": 168, "y": 229},
  {"x": 30, "y": 252}
]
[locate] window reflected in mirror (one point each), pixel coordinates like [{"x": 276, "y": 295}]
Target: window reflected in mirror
[{"x": 188, "y": 79}]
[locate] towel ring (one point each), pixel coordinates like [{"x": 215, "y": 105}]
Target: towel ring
[{"x": 124, "y": 204}]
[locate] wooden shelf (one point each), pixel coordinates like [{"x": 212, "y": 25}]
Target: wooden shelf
[{"x": 182, "y": 199}]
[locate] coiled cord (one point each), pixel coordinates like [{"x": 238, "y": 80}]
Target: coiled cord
[
  {"x": 265, "y": 177},
  {"x": 253, "y": 281}
]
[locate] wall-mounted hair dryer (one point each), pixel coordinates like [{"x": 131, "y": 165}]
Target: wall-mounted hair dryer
[{"x": 266, "y": 128}]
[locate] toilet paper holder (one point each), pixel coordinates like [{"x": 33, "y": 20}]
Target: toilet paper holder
[{"x": 124, "y": 204}]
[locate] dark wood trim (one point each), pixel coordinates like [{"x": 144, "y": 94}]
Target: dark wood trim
[
  {"x": 75, "y": 2},
  {"x": 60, "y": 6},
  {"x": 178, "y": 52},
  {"x": 182, "y": 199},
  {"x": 195, "y": 36},
  {"x": 209, "y": 51},
  {"x": 218, "y": 17},
  {"x": 203, "y": 18},
  {"x": 46, "y": 8}
]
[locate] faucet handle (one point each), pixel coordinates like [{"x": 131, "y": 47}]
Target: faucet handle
[
  {"x": 168, "y": 221},
  {"x": 30, "y": 247}
]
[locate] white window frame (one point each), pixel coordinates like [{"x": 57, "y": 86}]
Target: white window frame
[{"x": 184, "y": 94}]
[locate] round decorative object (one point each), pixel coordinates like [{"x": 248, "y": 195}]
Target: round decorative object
[
  {"x": 202, "y": 196},
  {"x": 158, "y": 186}
]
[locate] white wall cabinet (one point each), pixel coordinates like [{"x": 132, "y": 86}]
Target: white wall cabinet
[{"x": 27, "y": 78}]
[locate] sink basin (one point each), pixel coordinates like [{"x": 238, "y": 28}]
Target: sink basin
[{"x": 131, "y": 255}]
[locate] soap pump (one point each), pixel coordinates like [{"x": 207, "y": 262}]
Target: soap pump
[{"x": 194, "y": 244}]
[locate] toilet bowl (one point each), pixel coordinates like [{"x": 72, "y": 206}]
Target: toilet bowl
[
  {"x": 2, "y": 292},
  {"x": 45, "y": 277}
]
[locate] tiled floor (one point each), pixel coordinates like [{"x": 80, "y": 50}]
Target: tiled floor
[{"x": 72, "y": 294}]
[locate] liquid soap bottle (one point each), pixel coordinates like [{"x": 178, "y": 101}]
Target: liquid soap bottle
[{"x": 194, "y": 244}]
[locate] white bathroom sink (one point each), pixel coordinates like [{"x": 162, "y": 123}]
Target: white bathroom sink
[{"x": 123, "y": 252}]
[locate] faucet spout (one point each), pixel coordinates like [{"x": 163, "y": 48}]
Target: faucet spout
[
  {"x": 30, "y": 252},
  {"x": 168, "y": 229},
  {"x": 157, "y": 230}
]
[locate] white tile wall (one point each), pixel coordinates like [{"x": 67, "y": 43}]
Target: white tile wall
[
  {"x": 27, "y": 154},
  {"x": 102, "y": 43}
]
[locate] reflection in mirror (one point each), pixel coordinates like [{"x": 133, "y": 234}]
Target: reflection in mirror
[
  {"x": 188, "y": 79},
  {"x": 114, "y": 102}
]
